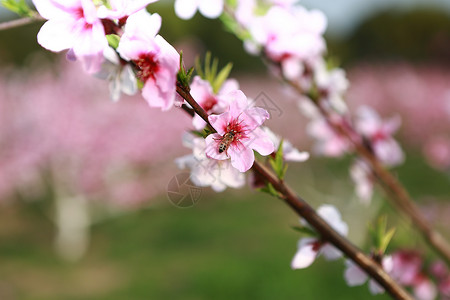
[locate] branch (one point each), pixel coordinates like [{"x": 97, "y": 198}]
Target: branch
[
  {"x": 304, "y": 210},
  {"x": 398, "y": 195},
  {"x": 19, "y": 22}
]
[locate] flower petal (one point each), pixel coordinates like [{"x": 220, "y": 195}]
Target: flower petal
[
  {"x": 211, "y": 8},
  {"x": 56, "y": 35},
  {"x": 242, "y": 158},
  {"x": 260, "y": 141},
  {"x": 305, "y": 254},
  {"x": 353, "y": 274},
  {"x": 220, "y": 122},
  {"x": 185, "y": 9}
]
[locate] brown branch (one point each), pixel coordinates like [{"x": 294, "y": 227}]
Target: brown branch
[
  {"x": 303, "y": 209},
  {"x": 398, "y": 195},
  {"x": 19, "y": 22}
]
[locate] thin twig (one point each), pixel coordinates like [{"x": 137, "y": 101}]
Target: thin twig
[
  {"x": 19, "y": 22},
  {"x": 398, "y": 195},
  {"x": 303, "y": 209}
]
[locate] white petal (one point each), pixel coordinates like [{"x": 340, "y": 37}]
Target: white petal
[
  {"x": 375, "y": 288},
  {"x": 353, "y": 274},
  {"x": 305, "y": 255},
  {"x": 185, "y": 9},
  {"x": 211, "y": 8},
  {"x": 332, "y": 216}
]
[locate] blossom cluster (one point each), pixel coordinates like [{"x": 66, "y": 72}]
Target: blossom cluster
[{"x": 88, "y": 30}]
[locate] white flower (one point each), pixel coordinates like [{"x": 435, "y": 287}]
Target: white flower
[
  {"x": 208, "y": 172},
  {"x": 121, "y": 77},
  {"x": 361, "y": 175},
  {"x": 355, "y": 276},
  {"x": 290, "y": 153},
  {"x": 310, "y": 248},
  {"x": 185, "y": 9}
]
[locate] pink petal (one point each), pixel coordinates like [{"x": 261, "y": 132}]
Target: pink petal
[
  {"x": 305, "y": 255},
  {"x": 425, "y": 290},
  {"x": 185, "y": 9},
  {"x": 238, "y": 103},
  {"x": 260, "y": 141},
  {"x": 254, "y": 117},
  {"x": 220, "y": 122},
  {"x": 201, "y": 90},
  {"x": 155, "y": 97},
  {"x": 242, "y": 158}
]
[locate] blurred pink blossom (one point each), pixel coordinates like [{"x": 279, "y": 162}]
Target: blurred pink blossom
[{"x": 90, "y": 146}]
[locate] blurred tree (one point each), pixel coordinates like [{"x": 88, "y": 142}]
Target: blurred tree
[{"x": 420, "y": 35}]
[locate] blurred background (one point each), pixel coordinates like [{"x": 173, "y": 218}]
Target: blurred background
[{"x": 84, "y": 212}]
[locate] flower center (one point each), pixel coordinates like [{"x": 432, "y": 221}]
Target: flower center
[
  {"x": 379, "y": 136},
  {"x": 237, "y": 129},
  {"x": 147, "y": 66},
  {"x": 209, "y": 103}
]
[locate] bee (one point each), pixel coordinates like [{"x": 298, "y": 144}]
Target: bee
[{"x": 226, "y": 140}]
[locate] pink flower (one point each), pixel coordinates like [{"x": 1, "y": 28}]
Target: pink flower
[
  {"x": 379, "y": 133},
  {"x": 290, "y": 35},
  {"x": 310, "y": 248},
  {"x": 354, "y": 275},
  {"x": 73, "y": 25},
  {"x": 361, "y": 175},
  {"x": 203, "y": 93},
  {"x": 156, "y": 60},
  {"x": 122, "y": 8},
  {"x": 185, "y": 9},
  {"x": 238, "y": 133},
  {"x": 437, "y": 152},
  {"x": 219, "y": 174},
  {"x": 407, "y": 270}
]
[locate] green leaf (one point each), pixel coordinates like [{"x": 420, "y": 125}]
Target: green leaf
[
  {"x": 269, "y": 189},
  {"x": 277, "y": 163},
  {"x": 113, "y": 40},
  {"x": 387, "y": 239},
  {"x": 19, "y": 7},
  {"x": 305, "y": 230},
  {"x": 380, "y": 237},
  {"x": 221, "y": 77}
]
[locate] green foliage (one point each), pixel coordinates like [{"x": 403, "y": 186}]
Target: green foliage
[
  {"x": 210, "y": 69},
  {"x": 381, "y": 237},
  {"x": 269, "y": 189},
  {"x": 277, "y": 162},
  {"x": 183, "y": 76},
  {"x": 113, "y": 40},
  {"x": 19, "y": 7},
  {"x": 416, "y": 35},
  {"x": 305, "y": 230}
]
